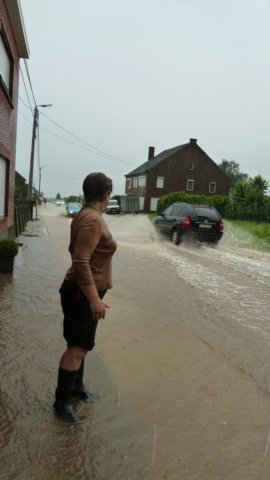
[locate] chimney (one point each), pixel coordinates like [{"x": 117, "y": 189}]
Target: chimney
[
  {"x": 193, "y": 141},
  {"x": 151, "y": 152}
]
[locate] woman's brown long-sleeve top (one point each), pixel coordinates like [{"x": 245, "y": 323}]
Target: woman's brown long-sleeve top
[{"x": 92, "y": 247}]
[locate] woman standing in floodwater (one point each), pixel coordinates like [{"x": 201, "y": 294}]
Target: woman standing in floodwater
[{"x": 82, "y": 292}]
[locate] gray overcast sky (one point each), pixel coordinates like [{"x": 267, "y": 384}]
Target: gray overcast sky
[{"x": 124, "y": 75}]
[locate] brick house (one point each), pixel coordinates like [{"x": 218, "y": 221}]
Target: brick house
[
  {"x": 185, "y": 168},
  {"x": 13, "y": 46}
]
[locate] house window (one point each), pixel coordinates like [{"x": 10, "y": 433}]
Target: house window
[
  {"x": 141, "y": 181},
  {"x": 190, "y": 186},
  {"x": 2, "y": 187},
  {"x": 160, "y": 182},
  {"x": 135, "y": 182},
  {"x": 129, "y": 182},
  {"x": 191, "y": 165},
  {"x": 153, "y": 204},
  {"x": 4, "y": 64},
  {"x": 212, "y": 187}
]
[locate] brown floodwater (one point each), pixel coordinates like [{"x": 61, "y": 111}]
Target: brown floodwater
[{"x": 181, "y": 362}]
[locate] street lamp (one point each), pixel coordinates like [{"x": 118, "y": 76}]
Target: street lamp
[
  {"x": 35, "y": 124},
  {"x": 39, "y": 183}
]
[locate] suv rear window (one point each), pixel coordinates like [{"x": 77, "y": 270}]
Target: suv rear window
[
  {"x": 180, "y": 210},
  {"x": 206, "y": 212}
]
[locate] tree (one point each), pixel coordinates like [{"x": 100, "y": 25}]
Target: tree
[
  {"x": 20, "y": 192},
  {"x": 257, "y": 188},
  {"x": 73, "y": 199},
  {"x": 232, "y": 170},
  {"x": 249, "y": 199},
  {"x": 58, "y": 197}
]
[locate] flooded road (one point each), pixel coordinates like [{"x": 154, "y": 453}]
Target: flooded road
[{"x": 181, "y": 362}]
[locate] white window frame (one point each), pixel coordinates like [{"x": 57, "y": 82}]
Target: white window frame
[
  {"x": 141, "y": 181},
  {"x": 3, "y": 176},
  {"x": 160, "y": 182},
  {"x": 188, "y": 189},
  {"x": 5, "y": 63},
  {"x": 129, "y": 182},
  {"x": 135, "y": 182},
  {"x": 153, "y": 204},
  {"x": 214, "y": 188}
]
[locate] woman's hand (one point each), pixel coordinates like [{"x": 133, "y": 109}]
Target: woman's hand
[{"x": 98, "y": 308}]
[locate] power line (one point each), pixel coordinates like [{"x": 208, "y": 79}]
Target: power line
[
  {"x": 29, "y": 79},
  {"x": 29, "y": 108},
  {"x": 82, "y": 147},
  {"x": 25, "y": 90},
  {"x": 63, "y": 174},
  {"x": 27, "y": 119},
  {"x": 96, "y": 151},
  {"x": 63, "y": 180},
  {"x": 112, "y": 157},
  {"x": 75, "y": 144}
]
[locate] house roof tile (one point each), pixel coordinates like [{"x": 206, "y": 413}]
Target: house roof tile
[{"x": 153, "y": 162}]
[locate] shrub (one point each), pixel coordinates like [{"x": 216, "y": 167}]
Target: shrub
[
  {"x": 8, "y": 247},
  {"x": 220, "y": 202}
]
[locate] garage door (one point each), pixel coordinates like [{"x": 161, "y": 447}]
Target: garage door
[{"x": 2, "y": 186}]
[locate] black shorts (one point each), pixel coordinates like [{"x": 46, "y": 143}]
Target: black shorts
[{"x": 79, "y": 325}]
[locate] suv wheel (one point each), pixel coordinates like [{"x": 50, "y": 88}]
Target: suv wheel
[{"x": 176, "y": 237}]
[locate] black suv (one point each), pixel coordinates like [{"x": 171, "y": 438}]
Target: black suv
[{"x": 200, "y": 222}]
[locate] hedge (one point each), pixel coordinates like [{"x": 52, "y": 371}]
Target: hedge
[{"x": 220, "y": 202}]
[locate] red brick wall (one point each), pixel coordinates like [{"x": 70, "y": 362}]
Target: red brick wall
[{"x": 8, "y": 121}]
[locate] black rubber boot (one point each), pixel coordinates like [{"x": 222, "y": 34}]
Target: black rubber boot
[
  {"x": 63, "y": 394},
  {"x": 79, "y": 390}
]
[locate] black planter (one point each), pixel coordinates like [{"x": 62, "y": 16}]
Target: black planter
[{"x": 6, "y": 264}]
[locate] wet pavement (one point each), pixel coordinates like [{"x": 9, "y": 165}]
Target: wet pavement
[
  {"x": 184, "y": 390},
  {"x": 34, "y": 444}
]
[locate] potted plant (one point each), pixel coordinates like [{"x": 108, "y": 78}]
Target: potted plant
[{"x": 8, "y": 250}]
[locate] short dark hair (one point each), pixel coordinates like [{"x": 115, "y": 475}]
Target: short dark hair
[{"x": 95, "y": 185}]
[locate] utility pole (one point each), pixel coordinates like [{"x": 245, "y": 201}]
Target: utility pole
[
  {"x": 35, "y": 125},
  {"x": 39, "y": 182},
  {"x": 30, "y": 183}
]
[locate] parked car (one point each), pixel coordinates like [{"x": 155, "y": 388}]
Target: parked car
[
  {"x": 59, "y": 202},
  {"x": 183, "y": 220},
  {"x": 112, "y": 207},
  {"x": 73, "y": 208}
]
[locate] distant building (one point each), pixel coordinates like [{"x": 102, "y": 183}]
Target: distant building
[
  {"x": 13, "y": 46},
  {"x": 185, "y": 168}
]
